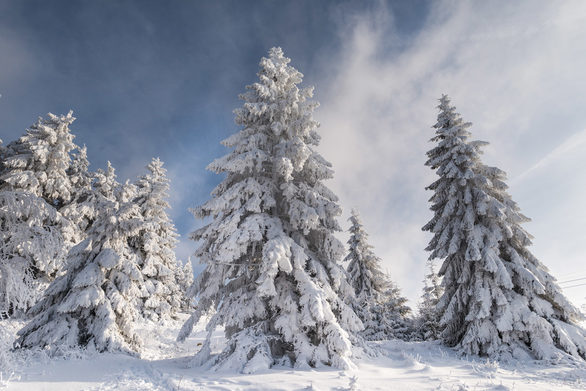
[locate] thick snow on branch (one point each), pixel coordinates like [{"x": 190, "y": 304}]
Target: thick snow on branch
[{"x": 94, "y": 303}]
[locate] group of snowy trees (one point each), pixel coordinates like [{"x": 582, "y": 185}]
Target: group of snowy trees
[
  {"x": 382, "y": 310},
  {"x": 81, "y": 255},
  {"x": 272, "y": 274}
]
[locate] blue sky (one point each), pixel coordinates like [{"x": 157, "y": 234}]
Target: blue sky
[{"x": 154, "y": 78}]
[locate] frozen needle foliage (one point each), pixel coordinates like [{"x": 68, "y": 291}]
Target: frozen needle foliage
[
  {"x": 34, "y": 236},
  {"x": 155, "y": 246}
]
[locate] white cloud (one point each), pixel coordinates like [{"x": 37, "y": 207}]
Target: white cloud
[{"x": 515, "y": 69}]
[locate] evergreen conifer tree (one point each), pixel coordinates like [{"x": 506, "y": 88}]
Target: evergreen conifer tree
[
  {"x": 397, "y": 313},
  {"x": 34, "y": 237},
  {"x": 428, "y": 321},
  {"x": 155, "y": 245},
  {"x": 499, "y": 300},
  {"x": 95, "y": 302},
  {"x": 185, "y": 281},
  {"x": 271, "y": 276},
  {"x": 379, "y": 304}
]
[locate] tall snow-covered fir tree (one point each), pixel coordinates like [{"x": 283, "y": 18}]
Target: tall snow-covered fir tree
[
  {"x": 499, "y": 300},
  {"x": 155, "y": 245},
  {"x": 379, "y": 304},
  {"x": 34, "y": 237},
  {"x": 272, "y": 272},
  {"x": 428, "y": 320},
  {"x": 397, "y": 312},
  {"x": 185, "y": 280},
  {"x": 95, "y": 302}
]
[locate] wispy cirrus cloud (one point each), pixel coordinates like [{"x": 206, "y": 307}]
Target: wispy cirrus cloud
[
  {"x": 576, "y": 143},
  {"x": 512, "y": 68}
]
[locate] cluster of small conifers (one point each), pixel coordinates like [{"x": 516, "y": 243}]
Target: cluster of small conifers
[
  {"x": 80, "y": 253},
  {"x": 272, "y": 274}
]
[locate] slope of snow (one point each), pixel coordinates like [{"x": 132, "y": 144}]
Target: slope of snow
[{"x": 165, "y": 365}]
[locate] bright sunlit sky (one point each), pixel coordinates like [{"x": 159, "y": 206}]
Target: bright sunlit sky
[{"x": 161, "y": 78}]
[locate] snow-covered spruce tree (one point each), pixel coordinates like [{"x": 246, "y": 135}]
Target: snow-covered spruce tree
[
  {"x": 428, "y": 319},
  {"x": 185, "y": 280},
  {"x": 499, "y": 300},
  {"x": 397, "y": 312},
  {"x": 34, "y": 238},
  {"x": 378, "y": 303},
  {"x": 155, "y": 245},
  {"x": 94, "y": 304},
  {"x": 270, "y": 255}
]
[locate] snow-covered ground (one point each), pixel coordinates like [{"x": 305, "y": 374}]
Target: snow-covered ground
[{"x": 165, "y": 365}]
